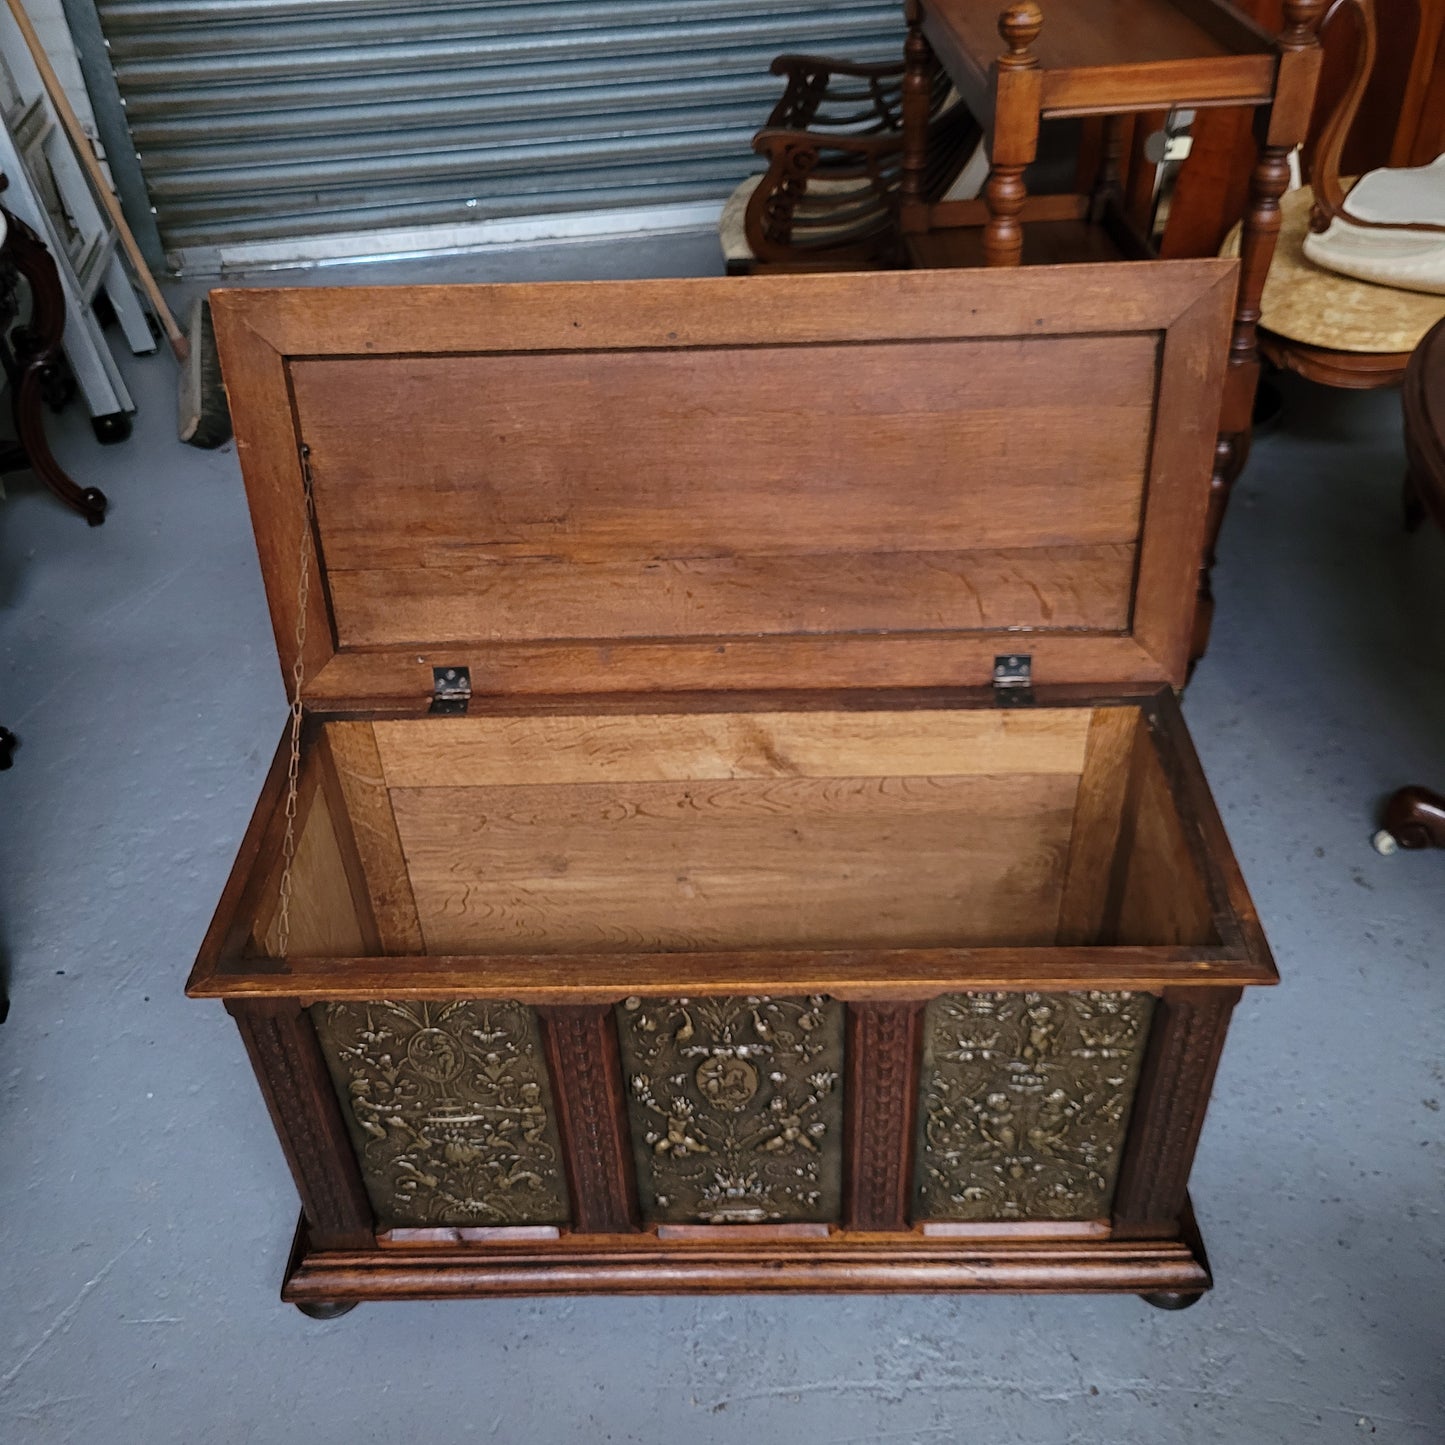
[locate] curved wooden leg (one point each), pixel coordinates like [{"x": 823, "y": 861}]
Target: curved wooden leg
[
  {"x": 38, "y": 360},
  {"x": 1413, "y": 818},
  {"x": 1171, "y": 1300},
  {"x": 325, "y": 1309}
]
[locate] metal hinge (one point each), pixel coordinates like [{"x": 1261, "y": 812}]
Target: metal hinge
[
  {"x": 451, "y": 690},
  {"x": 1013, "y": 679}
]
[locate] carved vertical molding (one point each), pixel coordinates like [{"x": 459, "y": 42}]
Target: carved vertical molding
[
  {"x": 586, "y": 1066},
  {"x": 296, "y": 1085},
  {"x": 881, "y": 1108},
  {"x": 1184, "y": 1048}
]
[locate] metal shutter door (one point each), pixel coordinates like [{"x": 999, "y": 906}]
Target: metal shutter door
[{"x": 265, "y": 119}]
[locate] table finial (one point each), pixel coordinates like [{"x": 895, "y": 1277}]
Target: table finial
[
  {"x": 1301, "y": 23},
  {"x": 1020, "y": 25}
]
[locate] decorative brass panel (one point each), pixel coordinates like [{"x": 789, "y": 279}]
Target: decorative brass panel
[
  {"x": 450, "y": 1111},
  {"x": 1025, "y": 1101},
  {"x": 736, "y": 1108}
]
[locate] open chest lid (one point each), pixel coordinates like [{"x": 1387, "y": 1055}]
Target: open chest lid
[{"x": 811, "y": 481}]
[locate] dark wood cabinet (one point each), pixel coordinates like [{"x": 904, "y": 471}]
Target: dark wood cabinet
[{"x": 742, "y": 835}]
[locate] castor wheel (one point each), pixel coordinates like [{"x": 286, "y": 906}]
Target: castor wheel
[
  {"x": 113, "y": 427},
  {"x": 1168, "y": 1299},
  {"x": 1413, "y": 818},
  {"x": 95, "y": 502},
  {"x": 326, "y": 1309}
]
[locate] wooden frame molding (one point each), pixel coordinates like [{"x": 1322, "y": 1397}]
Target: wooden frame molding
[
  {"x": 281, "y": 1044},
  {"x": 1187, "y": 304},
  {"x": 586, "y": 1069},
  {"x": 880, "y": 1123},
  {"x": 1184, "y": 1048},
  {"x": 644, "y": 1265}
]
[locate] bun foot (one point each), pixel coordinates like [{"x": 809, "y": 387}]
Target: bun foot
[
  {"x": 1165, "y": 1299},
  {"x": 326, "y": 1309}
]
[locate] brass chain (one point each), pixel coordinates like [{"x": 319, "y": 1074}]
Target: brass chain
[{"x": 298, "y": 676}]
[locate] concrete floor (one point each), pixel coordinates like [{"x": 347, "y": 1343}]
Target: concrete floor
[{"x": 145, "y": 1209}]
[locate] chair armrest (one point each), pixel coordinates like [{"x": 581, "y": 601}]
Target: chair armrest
[
  {"x": 881, "y": 70},
  {"x": 826, "y": 94},
  {"x": 825, "y": 197}
]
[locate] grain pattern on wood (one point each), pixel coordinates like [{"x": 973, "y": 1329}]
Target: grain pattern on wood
[
  {"x": 534, "y": 598},
  {"x": 1235, "y": 917},
  {"x": 654, "y": 430},
  {"x": 736, "y": 864},
  {"x": 616, "y": 316},
  {"x": 848, "y": 974},
  {"x": 282, "y": 1047},
  {"x": 1185, "y": 1043},
  {"x": 323, "y": 913},
  {"x": 344, "y": 832},
  {"x": 1191, "y": 379},
  {"x": 586, "y": 1070},
  {"x": 1098, "y": 817},
  {"x": 1157, "y": 892},
  {"x": 357, "y": 768},
  {"x": 402, "y": 679},
  {"x": 880, "y": 1103},
  {"x": 477, "y": 752},
  {"x": 323, "y": 919},
  {"x": 683, "y": 496}
]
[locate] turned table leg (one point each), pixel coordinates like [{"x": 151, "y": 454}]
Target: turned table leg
[
  {"x": 1015, "y": 138},
  {"x": 1279, "y": 130}
]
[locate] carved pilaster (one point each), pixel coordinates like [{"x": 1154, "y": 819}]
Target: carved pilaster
[
  {"x": 581, "y": 1044},
  {"x": 1185, "y": 1042},
  {"x": 880, "y": 1122},
  {"x": 296, "y": 1085}
]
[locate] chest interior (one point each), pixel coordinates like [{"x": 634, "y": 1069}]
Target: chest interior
[{"x": 738, "y": 831}]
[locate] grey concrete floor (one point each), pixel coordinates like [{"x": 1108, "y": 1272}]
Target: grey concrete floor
[{"x": 145, "y": 1210}]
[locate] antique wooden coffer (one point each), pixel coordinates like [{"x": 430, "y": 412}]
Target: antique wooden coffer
[{"x": 737, "y": 832}]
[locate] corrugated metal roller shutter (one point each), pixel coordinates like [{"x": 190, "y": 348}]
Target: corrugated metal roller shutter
[{"x": 260, "y": 119}]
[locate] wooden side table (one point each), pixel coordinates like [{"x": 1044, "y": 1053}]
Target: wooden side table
[{"x": 1111, "y": 58}]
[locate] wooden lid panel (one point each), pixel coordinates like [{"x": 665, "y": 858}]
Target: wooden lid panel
[
  {"x": 730, "y": 491},
  {"x": 802, "y": 481}
]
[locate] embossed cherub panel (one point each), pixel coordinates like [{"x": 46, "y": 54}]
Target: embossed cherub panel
[
  {"x": 736, "y": 1108},
  {"x": 1025, "y": 1103},
  {"x": 450, "y": 1111}
]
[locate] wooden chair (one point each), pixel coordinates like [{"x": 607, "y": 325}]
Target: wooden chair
[
  {"x": 828, "y": 199},
  {"x": 1414, "y": 817},
  {"x": 1325, "y": 326}
]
